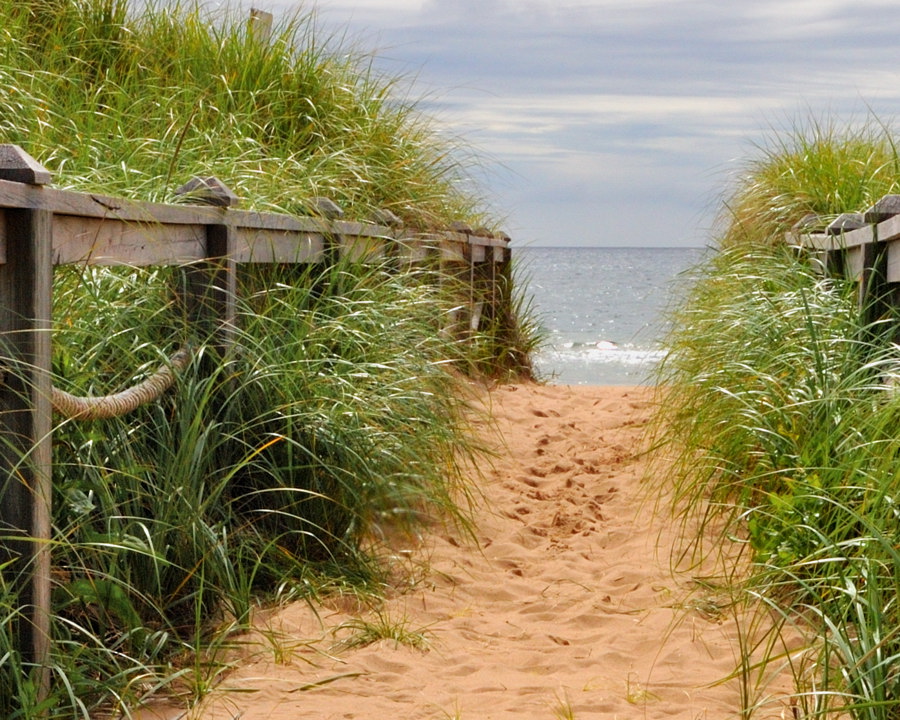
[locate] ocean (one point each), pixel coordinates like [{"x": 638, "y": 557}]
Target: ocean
[{"x": 603, "y": 309}]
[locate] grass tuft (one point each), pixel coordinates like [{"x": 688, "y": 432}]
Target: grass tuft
[{"x": 382, "y": 627}]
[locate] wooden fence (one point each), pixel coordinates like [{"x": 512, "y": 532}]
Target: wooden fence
[
  {"x": 41, "y": 227},
  {"x": 864, "y": 247}
]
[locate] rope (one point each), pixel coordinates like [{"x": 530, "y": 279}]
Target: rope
[{"x": 110, "y": 406}]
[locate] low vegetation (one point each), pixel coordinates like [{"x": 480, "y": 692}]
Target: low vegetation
[{"x": 340, "y": 412}]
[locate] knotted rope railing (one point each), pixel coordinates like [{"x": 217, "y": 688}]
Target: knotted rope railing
[{"x": 120, "y": 403}]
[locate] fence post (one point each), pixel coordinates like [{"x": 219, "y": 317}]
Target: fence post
[
  {"x": 834, "y": 259},
  {"x": 260, "y": 25},
  {"x": 482, "y": 262},
  {"x": 221, "y": 275},
  {"x": 26, "y": 282},
  {"x": 504, "y": 301},
  {"x": 873, "y": 287},
  {"x": 456, "y": 271},
  {"x": 327, "y": 211},
  {"x": 212, "y": 283}
]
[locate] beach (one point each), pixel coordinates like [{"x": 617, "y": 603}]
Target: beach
[{"x": 566, "y": 607}]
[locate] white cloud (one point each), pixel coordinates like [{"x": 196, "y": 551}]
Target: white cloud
[{"x": 522, "y": 116}]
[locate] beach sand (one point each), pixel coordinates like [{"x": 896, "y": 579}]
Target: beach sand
[{"x": 568, "y": 608}]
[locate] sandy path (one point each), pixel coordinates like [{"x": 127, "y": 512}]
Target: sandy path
[{"x": 566, "y": 609}]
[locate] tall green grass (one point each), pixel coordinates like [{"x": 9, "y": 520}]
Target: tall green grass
[
  {"x": 338, "y": 414},
  {"x": 273, "y": 472},
  {"x": 136, "y": 103},
  {"x": 817, "y": 167},
  {"x": 780, "y": 411}
]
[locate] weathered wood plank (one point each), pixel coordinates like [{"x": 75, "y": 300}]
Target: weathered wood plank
[
  {"x": 854, "y": 259},
  {"x": 453, "y": 246},
  {"x": 26, "y": 281},
  {"x": 93, "y": 205},
  {"x": 250, "y": 219},
  {"x": 888, "y": 230},
  {"x": 350, "y": 227},
  {"x": 856, "y": 238},
  {"x": 415, "y": 249},
  {"x": 817, "y": 241},
  {"x": 362, "y": 248},
  {"x": 488, "y": 241},
  {"x": 893, "y": 262},
  {"x": 107, "y": 241},
  {"x": 21, "y": 195},
  {"x": 873, "y": 282},
  {"x": 277, "y": 246}
]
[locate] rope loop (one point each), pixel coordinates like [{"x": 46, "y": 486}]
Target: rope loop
[{"x": 75, "y": 407}]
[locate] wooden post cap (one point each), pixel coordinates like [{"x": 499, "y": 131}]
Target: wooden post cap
[
  {"x": 461, "y": 227},
  {"x": 383, "y": 216},
  {"x": 16, "y": 165},
  {"x": 845, "y": 222},
  {"x": 207, "y": 191},
  {"x": 327, "y": 208},
  {"x": 887, "y": 207}
]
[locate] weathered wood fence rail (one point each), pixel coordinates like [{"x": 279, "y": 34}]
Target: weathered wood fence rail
[
  {"x": 864, "y": 247},
  {"x": 41, "y": 227}
]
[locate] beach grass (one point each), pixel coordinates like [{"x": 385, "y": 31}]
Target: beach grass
[
  {"x": 268, "y": 474},
  {"x": 382, "y": 627},
  {"x": 135, "y": 103},
  {"x": 817, "y": 166},
  {"x": 339, "y": 413},
  {"x": 780, "y": 412}
]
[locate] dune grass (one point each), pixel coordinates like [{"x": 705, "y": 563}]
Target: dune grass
[
  {"x": 781, "y": 413},
  {"x": 817, "y": 167},
  {"x": 338, "y": 415},
  {"x": 136, "y": 103},
  {"x": 269, "y": 474}
]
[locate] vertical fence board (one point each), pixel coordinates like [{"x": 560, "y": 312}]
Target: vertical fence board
[
  {"x": 854, "y": 262},
  {"x": 873, "y": 283},
  {"x": 26, "y": 281},
  {"x": 893, "y": 262}
]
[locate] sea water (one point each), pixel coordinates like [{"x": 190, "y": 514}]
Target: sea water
[{"x": 603, "y": 309}]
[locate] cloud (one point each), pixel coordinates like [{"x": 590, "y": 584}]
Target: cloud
[{"x": 625, "y": 104}]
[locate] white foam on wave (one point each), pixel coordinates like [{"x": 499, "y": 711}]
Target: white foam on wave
[{"x": 603, "y": 352}]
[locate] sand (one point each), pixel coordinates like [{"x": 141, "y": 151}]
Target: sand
[{"x": 568, "y": 609}]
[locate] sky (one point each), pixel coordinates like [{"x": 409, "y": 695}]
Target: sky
[{"x": 623, "y": 122}]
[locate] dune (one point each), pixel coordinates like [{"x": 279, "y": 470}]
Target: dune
[{"x": 568, "y": 606}]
